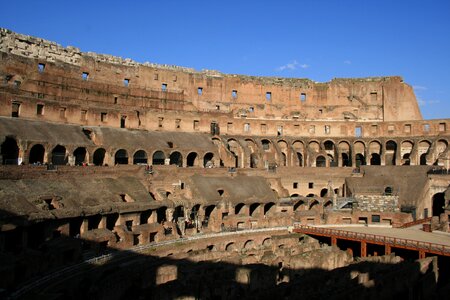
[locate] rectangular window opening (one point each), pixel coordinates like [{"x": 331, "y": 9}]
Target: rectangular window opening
[
  {"x": 358, "y": 131},
  {"x": 126, "y": 82},
  {"x": 155, "y": 77},
  {"x": 85, "y": 75},
  {"x": 62, "y": 112},
  {"x": 310, "y": 185},
  {"x": 295, "y": 185},
  {"x": 123, "y": 121},
  {"x": 164, "y": 87},
  {"x": 246, "y": 127},
  {"x": 407, "y": 128},
  {"x": 234, "y": 94},
  {"x": 327, "y": 129},
  {"x": 15, "y": 107},
  {"x": 312, "y": 129},
  {"x": 200, "y": 91},
  {"x": 41, "y": 68},
  {"x": 83, "y": 115},
  {"x": 268, "y": 96},
  {"x": 40, "y": 109},
  {"x": 426, "y": 127},
  {"x": 196, "y": 123},
  {"x": 442, "y": 127},
  {"x": 103, "y": 116},
  {"x": 229, "y": 127},
  {"x": 263, "y": 128},
  {"x": 303, "y": 97}
]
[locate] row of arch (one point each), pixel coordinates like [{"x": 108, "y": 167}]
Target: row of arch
[
  {"x": 250, "y": 153},
  {"x": 59, "y": 155}
]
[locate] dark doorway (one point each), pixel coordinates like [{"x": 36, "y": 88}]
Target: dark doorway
[
  {"x": 99, "y": 157},
  {"x": 158, "y": 158},
  {"x": 121, "y": 157},
  {"x": 360, "y": 160},
  {"x": 375, "y": 159},
  {"x": 59, "y": 155},
  {"x": 438, "y": 204},
  {"x": 345, "y": 160},
  {"x": 191, "y": 159},
  {"x": 176, "y": 159},
  {"x": 80, "y": 156},
  {"x": 320, "y": 161},
  {"x": 37, "y": 154},
  {"x": 10, "y": 152},
  {"x": 140, "y": 157}
]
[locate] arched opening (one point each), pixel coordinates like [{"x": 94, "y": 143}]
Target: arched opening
[
  {"x": 250, "y": 244},
  {"x": 158, "y": 158},
  {"x": 191, "y": 159},
  {"x": 283, "y": 159},
  {"x": 324, "y": 192},
  {"x": 299, "y": 205},
  {"x": 265, "y": 145},
  {"x": 391, "y": 149},
  {"x": 375, "y": 159},
  {"x": 99, "y": 157},
  {"x": 121, "y": 157},
  {"x": 310, "y": 195},
  {"x": 238, "y": 208},
  {"x": 230, "y": 247},
  {"x": 314, "y": 204},
  {"x": 438, "y": 204},
  {"x": 253, "y": 160},
  {"x": 161, "y": 214},
  {"x": 423, "y": 159},
  {"x": 345, "y": 160},
  {"x": 254, "y": 211},
  {"x": 209, "y": 210},
  {"x": 140, "y": 157},
  {"x": 328, "y": 205},
  {"x": 329, "y": 145},
  {"x": 406, "y": 160},
  {"x": 80, "y": 155},
  {"x": 178, "y": 212},
  {"x": 10, "y": 152},
  {"x": 176, "y": 159},
  {"x": 388, "y": 191},
  {"x": 267, "y": 242},
  {"x": 300, "y": 159},
  {"x": 360, "y": 160},
  {"x": 208, "y": 160},
  {"x": 320, "y": 161},
  {"x": 59, "y": 156},
  {"x": 269, "y": 208}
]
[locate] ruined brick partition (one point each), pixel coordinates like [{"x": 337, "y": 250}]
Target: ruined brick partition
[{"x": 114, "y": 154}]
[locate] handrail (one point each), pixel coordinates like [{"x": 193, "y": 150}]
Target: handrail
[
  {"x": 387, "y": 240},
  {"x": 416, "y": 222}
]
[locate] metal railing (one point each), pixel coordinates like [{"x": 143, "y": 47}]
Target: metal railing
[{"x": 376, "y": 239}]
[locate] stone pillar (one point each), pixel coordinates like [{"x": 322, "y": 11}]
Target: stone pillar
[{"x": 363, "y": 249}]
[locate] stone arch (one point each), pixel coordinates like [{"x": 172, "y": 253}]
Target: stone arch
[
  {"x": 238, "y": 208},
  {"x": 391, "y": 153},
  {"x": 249, "y": 244},
  {"x": 99, "y": 156},
  {"x": 438, "y": 203},
  {"x": 328, "y": 204},
  {"x": 423, "y": 151},
  {"x": 80, "y": 155},
  {"x": 59, "y": 155},
  {"x": 299, "y": 149},
  {"x": 209, "y": 210},
  {"x": 314, "y": 204},
  {"x": 406, "y": 148},
  {"x": 254, "y": 211},
  {"x": 236, "y": 150},
  {"x": 140, "y": 157},
  {"x": 208, "y": 160},
  {"x": 359, "y": 149},
  {"x": 299, "y": 205},
  {"x": 266, "y": 145},
  {"x": 267, "y": 242},
  {"x": 176, "y": 158},
  {"x": 321, "y": 161},
  {"x": 192, "y": 159},
  {"x": 121, "y": 157},
  {"x": 231, "y": 247},
  {"x": 314, "y": 146},
  {"x": 158, "y": 158},
  {"x": 345, "y": 151},
  {"x": 324, "y": 192},
  {"x": 10, "y": 152},
  {"x": 269, "y": 208},
  {"x": 375, "y": 153}
]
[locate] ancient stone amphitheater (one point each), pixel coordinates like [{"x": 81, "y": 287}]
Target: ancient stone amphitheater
[{"x": 123, "y": 180}]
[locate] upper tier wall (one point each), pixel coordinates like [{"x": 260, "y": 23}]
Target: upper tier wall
[{"x": 375, "y": 99}]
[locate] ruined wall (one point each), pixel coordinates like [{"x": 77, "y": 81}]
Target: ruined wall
[{"x": 85, "y": 85}]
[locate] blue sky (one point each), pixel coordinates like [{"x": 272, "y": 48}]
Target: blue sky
[{"x": 314, "y": 39}]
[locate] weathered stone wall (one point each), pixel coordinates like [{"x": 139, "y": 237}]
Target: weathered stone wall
[{"x": 377, "y": 203}]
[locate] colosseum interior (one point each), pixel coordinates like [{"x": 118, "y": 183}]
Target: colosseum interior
[{"x": 123, "y": 180}]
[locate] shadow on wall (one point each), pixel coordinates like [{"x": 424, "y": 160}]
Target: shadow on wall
[{"x": 130, "y": 275}]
